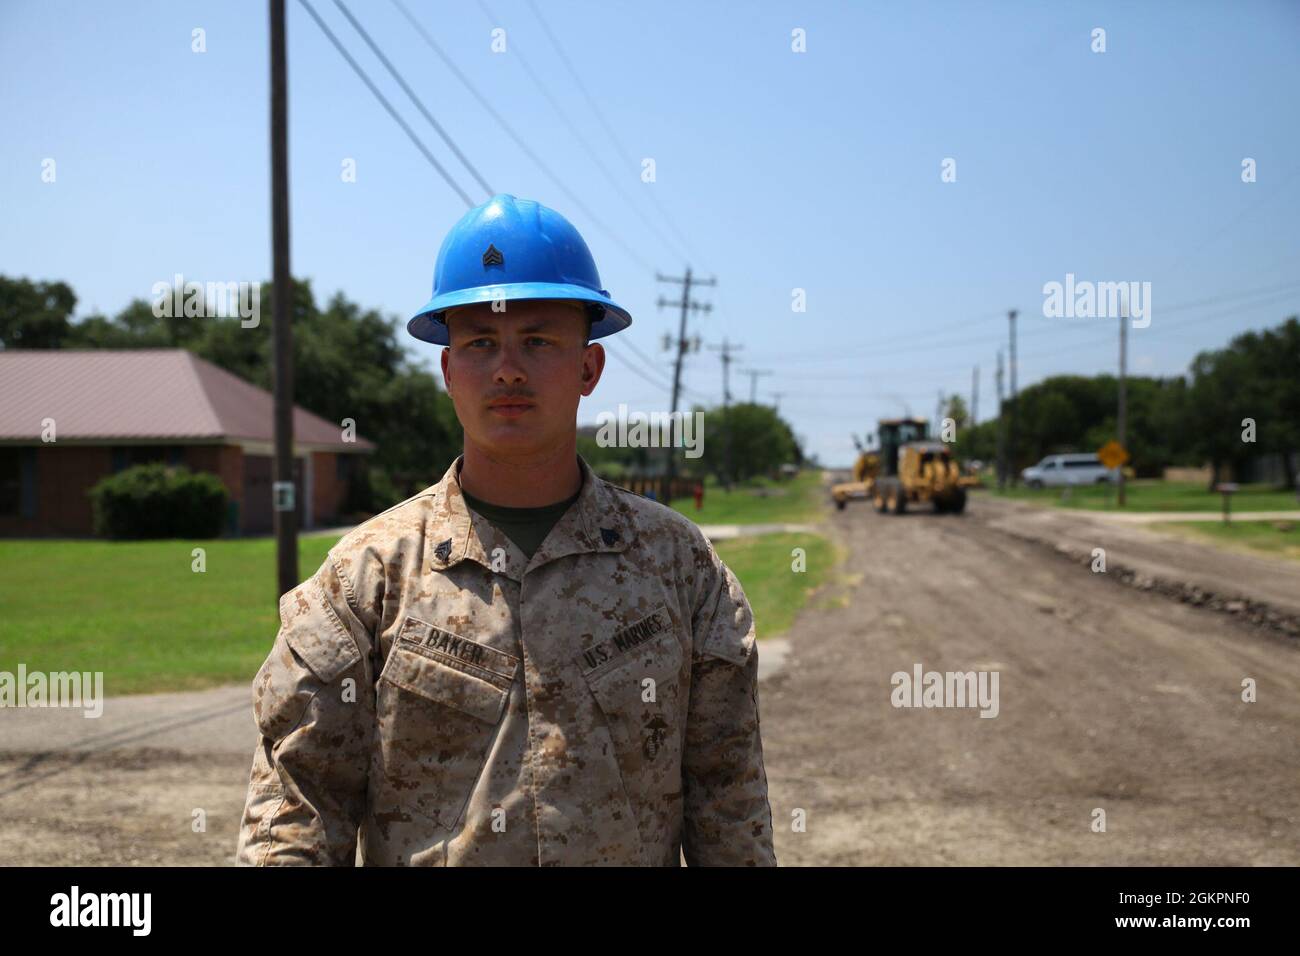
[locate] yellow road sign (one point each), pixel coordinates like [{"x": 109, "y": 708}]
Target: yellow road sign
[{"x": 1112, "y": 454}]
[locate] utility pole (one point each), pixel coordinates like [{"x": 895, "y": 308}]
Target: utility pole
[
  {"x": 975, "y": 396},
  {"x": 754, "y": 374},
  {"x": 1122, "y": 417},
  {"x": 726, "y": 349},
  {"x": 686, "y": 304},
  {"x": 1011, "y": 450},
  {"x": 283, "y": 491},
  {"x": 938, "y": 415},
  {"x": 1002, "y": 431},
  {"x": 776, "y": 401}
]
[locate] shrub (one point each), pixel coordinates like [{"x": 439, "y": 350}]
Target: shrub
[{"x": 159, "y": 501}]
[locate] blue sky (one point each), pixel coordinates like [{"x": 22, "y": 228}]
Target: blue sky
[{"x": 778, "y": 170}]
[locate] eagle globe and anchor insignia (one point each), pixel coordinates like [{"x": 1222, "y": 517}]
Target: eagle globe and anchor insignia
[{"x": 654, "y": 737}]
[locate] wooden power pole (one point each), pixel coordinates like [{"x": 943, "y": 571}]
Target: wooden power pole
[
  {"x": 1002, "y": 430},
  {"x": 283, "y": 490},
  {"x": 726, "y": 349},
  {"x": 1011, "y": 441},
  {"x": 687, "y": 305},
  {"x": 1121, "y": 424}
]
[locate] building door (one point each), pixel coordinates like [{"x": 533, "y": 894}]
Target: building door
[{"x": 258, "y": 517}]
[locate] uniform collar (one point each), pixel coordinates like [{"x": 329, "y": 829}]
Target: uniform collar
[{"x": 598, "y": 521}]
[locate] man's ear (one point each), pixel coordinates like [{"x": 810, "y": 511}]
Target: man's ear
[
  {"x": 593, "y": 363},
  {"x": 446, "y": 377}
]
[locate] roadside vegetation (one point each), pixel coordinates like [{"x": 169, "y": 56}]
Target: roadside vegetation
[{"x": 1154, "y": 495}]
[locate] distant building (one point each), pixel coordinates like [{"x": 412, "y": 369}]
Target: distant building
[{"x": 111, "y": 409}]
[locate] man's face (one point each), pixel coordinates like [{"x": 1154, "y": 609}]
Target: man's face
[{"x": 516, "y": 376}]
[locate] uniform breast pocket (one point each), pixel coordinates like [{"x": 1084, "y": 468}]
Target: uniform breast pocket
[
  {"x": 635, "y": 676},
  {"x": 439, "y": 702}
]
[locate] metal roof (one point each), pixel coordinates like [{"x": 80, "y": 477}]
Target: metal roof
[{"x": 143, "y": 394}]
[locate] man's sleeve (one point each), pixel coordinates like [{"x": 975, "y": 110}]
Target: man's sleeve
[
  {"x": 313, "y": 700},
  {"x": 726, "y": 817}
]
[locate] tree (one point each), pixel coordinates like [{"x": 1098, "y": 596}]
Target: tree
[
  {"x": 34, "y": 315},
  {"x": 954, "y": 407},
  {"x": 1253, "y": 378},
  {"x": 743, "y": 441}
]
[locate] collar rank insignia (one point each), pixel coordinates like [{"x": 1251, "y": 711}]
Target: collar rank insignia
[
  {"x": 443, "y": 550},
  {"x": 608, "y": 535},
  {"x": 493, "y": 256}
]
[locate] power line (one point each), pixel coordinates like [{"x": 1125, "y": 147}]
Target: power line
[
  {"x": 821, "y": 354},
  {"x": 1290, "y": 180},
  {"x": 635, "y": 369},
  {"x": 1059, "y": 328},
  {"x": 451, "y": 144},
  {"x": 386, "y": 105},
  {"x": 647, "y": 360},
  {"x": 623, "y": 152},
  {"x": 867, "y": 374},
  {"x": 528, "y": 151},
  {"x": 573, "y": 127}
]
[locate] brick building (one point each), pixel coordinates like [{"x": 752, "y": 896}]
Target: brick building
[{"x": 110, "y": 409}]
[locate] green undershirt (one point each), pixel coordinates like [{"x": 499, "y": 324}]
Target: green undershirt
[{"x": 526, "y": 527}]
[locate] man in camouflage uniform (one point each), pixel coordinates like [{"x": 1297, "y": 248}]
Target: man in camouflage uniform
[{"x": 567, "y": 676}]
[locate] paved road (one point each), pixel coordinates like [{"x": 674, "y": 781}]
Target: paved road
[{"x": 1110, "y": 698}]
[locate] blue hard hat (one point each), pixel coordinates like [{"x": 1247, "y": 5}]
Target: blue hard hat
[{"x": 508, "y": 249}]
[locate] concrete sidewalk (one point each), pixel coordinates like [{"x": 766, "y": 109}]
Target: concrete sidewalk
[
  {"x": 723, "y": 532},
  {"x": 213, "y": 722}
]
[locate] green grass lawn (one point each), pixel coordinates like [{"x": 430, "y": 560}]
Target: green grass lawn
[
  {"x": 797, "y": 501},
  {"x": 135, "y": 610},
  {"x": 1276, "y": 538},
  {"x": 763, "y": 563},
  {"x": 1156, "y": 495}
]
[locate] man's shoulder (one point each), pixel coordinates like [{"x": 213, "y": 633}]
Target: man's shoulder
[
  {"x": 390, "y": 530},
  {"x": 656, "y": 522}
]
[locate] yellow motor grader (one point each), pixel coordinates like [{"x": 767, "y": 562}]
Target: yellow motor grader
[
  {"x": 865, "y": 469},
  {"x": 909, "y": 468}
]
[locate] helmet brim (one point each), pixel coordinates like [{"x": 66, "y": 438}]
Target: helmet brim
[{"x": 429, "y": 323}]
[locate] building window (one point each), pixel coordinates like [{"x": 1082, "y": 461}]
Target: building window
[{"x": 127, "y": 456}]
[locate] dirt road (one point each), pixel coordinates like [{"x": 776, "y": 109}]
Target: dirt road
[{"x": 1108, "y": 698}]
